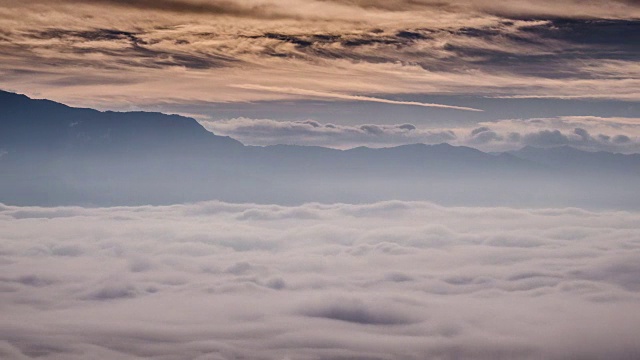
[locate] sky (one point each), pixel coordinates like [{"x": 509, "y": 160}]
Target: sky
[
  {"x": 443, "y": 67},
  {"x": 388, "y": 280}
]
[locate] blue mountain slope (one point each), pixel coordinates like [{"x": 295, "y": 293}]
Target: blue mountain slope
[{"x": 28, "y": 125}]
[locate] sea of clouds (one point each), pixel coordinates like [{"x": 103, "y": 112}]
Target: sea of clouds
[{"x": 390, "y": 280}]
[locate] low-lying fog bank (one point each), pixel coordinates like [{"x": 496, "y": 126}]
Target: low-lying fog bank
[{"x": 389, "y": 280}]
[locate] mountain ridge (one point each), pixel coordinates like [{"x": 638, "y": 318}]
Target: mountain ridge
[
  {"x": 31, "y": 124},
  {"x": 7, "y": 98},
  {"x": 53, "y": 154}
]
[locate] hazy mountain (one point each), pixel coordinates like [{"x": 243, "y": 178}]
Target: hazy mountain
[
  {"x": 566, "y": 158},
  {"x": 53, "y": 154}
]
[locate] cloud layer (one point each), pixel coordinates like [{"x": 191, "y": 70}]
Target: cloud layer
[
  {"x": 587, "y": 133},
  {"x": 136, "y": 53},
  {"x": 391, "y": 280}
]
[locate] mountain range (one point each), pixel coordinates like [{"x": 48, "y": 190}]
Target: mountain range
[{"x": 53, "y": 154}]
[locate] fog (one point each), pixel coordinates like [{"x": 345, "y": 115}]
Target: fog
[
  {"x": 387, "y": 280},
  {"x": 293, "y": 175}
]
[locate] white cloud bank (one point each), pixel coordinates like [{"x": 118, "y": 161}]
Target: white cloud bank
[
  {"x": 584, "y": 132},
  {"x": 391, "y": 280}
]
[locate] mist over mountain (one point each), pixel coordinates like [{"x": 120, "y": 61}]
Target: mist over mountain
[{"x": 52, "y": 154}]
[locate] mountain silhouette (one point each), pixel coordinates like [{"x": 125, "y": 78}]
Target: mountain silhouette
[
  {"x": 53, "y": 154},
  {"x": 43, "y": 125}
]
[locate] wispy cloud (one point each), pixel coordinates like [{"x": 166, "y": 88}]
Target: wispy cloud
[
  {"x": 331, "y": 95},
  {"x": 172, "y": 51}
]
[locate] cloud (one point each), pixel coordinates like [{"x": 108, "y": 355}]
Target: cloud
[
  {"x": 407, "y": 280},
  {"x": 526, "y": 8},
  {"x": 587, "y": 133},
  {"x": 483, "y": 135},
  {"x": 547, "y": 138},
  {"x": 617, "y": 9},
  {"x": 137, "y": 54},
  {"x": 329, "y": 95},
  {"x": 356, "y": 311},
  {"x": 194, "y": 7},
  {"x": 309, "y": 132},
  {"x": 584, "y": 132}
]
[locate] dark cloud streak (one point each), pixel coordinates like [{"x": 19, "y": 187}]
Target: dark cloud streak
[{"x": 137, "y": 54}]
